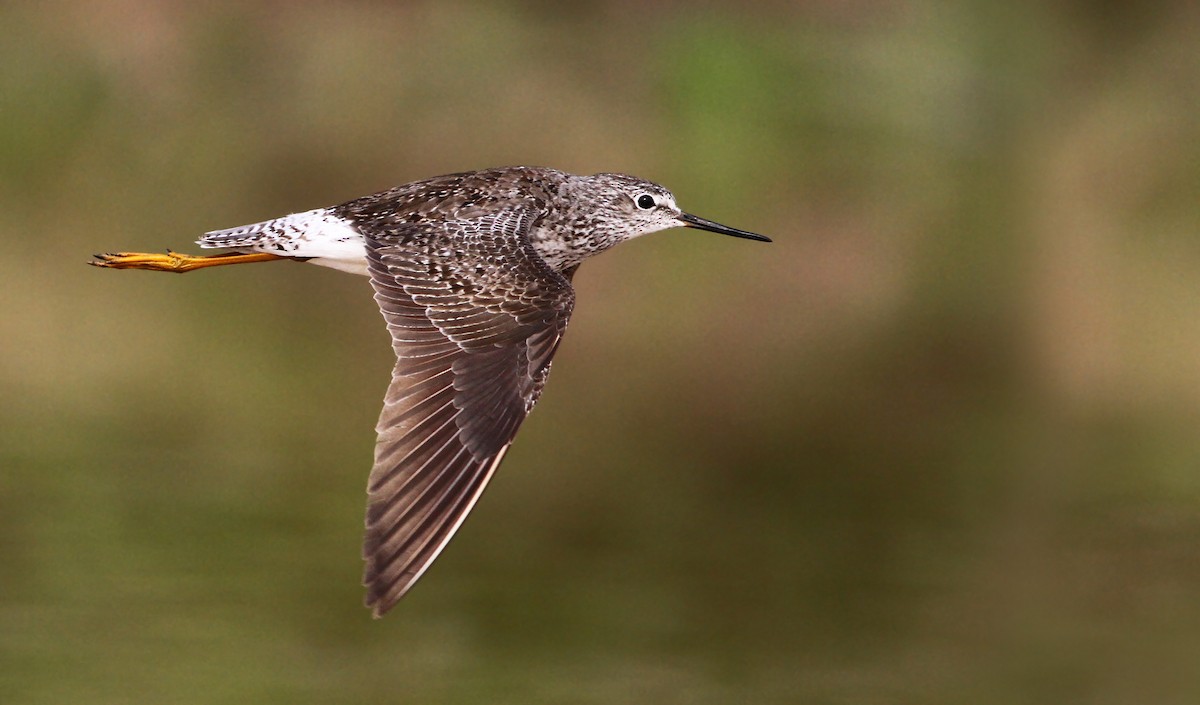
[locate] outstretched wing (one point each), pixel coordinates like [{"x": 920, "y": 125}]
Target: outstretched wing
[{"x": 475, "y": 317}]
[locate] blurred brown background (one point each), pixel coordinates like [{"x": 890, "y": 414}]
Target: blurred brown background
[{"x": 936, "y": 444}]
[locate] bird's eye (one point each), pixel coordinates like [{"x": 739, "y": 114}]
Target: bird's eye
[{"x": 645, "y": 201}]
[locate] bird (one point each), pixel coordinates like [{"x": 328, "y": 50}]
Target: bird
[{"x": 472, "y": 272}]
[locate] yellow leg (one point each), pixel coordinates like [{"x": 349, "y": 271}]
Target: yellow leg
[{"x": 175, "y": 261}]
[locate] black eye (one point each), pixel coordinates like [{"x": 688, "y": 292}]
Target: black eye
[{"x": 645, "y": 201}]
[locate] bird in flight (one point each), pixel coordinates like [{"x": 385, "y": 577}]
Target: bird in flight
[{"x": 472, "y": 272}]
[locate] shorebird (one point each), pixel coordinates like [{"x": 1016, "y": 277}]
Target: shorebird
[{"x": 472, "y": 272}]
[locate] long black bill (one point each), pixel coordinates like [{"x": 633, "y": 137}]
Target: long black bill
[{"x": 692, "y": 221}]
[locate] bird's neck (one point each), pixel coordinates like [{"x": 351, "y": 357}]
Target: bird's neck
[{"x": 566, "y": 237}]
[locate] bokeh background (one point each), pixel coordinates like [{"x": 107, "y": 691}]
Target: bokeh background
[{"x": 936, "y": 444}]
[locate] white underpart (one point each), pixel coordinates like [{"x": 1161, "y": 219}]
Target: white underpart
[{"x": 318, "y": 236}]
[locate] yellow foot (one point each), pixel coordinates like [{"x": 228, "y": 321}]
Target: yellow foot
[{"x": 175, "y": 261}]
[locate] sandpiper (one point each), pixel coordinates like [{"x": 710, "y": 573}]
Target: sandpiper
[{"x": 472, "y": 272}]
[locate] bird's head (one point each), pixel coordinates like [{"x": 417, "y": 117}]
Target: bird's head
[{"x": 633, "y": 207}]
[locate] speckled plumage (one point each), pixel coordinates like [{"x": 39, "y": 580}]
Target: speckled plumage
[{"x": 472, "y": 273}]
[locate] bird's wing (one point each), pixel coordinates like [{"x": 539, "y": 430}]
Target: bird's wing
[{"x": 475, "y": 317}]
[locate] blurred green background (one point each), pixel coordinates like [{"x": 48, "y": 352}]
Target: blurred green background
[{"x": 936, "y": 444}]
